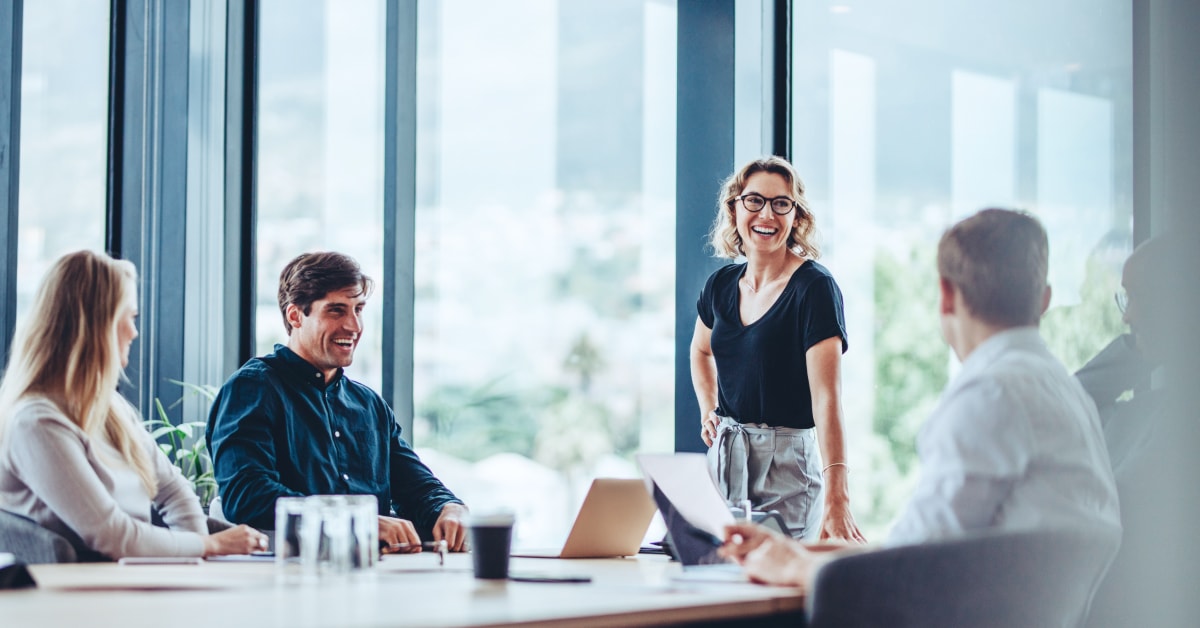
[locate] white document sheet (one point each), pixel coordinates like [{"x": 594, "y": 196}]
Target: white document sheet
[{"x": 684, "y": 479}]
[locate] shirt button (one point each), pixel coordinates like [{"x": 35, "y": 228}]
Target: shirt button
[
  {"x": 345, "y": 477},
  {"x": 337, "y": 434}
]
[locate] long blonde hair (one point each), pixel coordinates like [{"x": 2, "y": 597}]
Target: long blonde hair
[{"x": 66, "y": 350}]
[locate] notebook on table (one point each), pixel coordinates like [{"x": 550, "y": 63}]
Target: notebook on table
[{"x": 611, "y": 522}]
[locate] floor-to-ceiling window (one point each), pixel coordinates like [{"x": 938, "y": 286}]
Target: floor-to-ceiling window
[
  {"x": 64, "y": 122},
  {"x": 320, "y": 153},
  {"x": 545, "y": 248},
  {"x": 909, "y": 116},
  {"x": 544, "y": 271},
  {"x": 545, "y": 198}
]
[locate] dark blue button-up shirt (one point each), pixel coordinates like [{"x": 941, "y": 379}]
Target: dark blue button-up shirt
[{"x": 277, "y": 429}]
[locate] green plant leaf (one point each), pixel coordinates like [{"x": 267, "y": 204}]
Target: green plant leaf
[
  {"x": 164, "y": 431},
  {"x": 194, "y": 427},
  {"x": 206, "y": 391},
  {"x": 185, "y": 445}
]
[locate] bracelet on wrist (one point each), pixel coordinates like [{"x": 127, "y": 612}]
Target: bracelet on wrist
[{"x": 835, "y": 464}]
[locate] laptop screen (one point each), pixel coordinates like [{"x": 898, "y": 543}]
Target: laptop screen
[
  {"x": 692, "y": 509},
  {"x": 691, "y": 545}
]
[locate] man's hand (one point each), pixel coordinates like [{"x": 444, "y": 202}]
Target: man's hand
[
  {"x": 767, "y": 556},
  {"x": 393, "y": 531},
  {"x": 449, "y": 527}
]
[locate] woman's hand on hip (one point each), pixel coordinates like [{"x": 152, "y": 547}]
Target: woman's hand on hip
[{"x": 708, "y": 427}]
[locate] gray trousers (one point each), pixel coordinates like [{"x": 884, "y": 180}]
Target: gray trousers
[{"x": 776, "y": 468}]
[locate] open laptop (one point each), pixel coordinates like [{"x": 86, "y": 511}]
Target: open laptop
[
  {"x": 694, "y": 512},
  {"x": 611, "y": 522}
]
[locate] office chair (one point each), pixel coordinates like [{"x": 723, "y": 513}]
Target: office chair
[
  {"x": 1035, "y": 578},
  {"x": 30, "y": 543}
]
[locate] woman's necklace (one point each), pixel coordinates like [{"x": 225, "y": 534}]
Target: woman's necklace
[
  {"x": 786, "y": 271},
  {"x": 753, "y": 289}
]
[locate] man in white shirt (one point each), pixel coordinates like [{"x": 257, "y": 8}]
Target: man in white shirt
[{"x": 1015, "y": 443}]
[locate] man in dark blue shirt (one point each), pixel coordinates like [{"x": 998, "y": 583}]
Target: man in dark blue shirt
[{"x": 291, "y": 423}]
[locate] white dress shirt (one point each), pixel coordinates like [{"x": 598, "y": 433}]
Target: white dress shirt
[{"x": 1014, "y": 444}]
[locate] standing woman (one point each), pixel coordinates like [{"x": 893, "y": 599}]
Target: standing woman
[
  {"x": 766, "y": 358},
  {"x": 73, "y": 454}
]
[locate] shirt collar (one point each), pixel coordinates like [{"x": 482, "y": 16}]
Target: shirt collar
[
  {"x": 1000, "y": 342},
  {"x": 298, "y": 367}
]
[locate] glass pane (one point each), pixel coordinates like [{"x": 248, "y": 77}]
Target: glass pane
[
  {"x": 544, "y": 314},
  {"x": 64, "y": 116},
  {"x": 911, "y": 116},
  {"x": 320, "y": 153}
]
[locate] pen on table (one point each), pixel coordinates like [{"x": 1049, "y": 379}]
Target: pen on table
[{"x": 429, "y": 546}]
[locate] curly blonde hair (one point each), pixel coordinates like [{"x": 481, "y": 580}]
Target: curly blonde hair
[{"x": 724, "y": 237}]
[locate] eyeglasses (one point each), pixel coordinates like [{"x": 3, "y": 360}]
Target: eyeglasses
[
  {"x": 1122, "y": 299},
  {"x": 781, "y": 205}
]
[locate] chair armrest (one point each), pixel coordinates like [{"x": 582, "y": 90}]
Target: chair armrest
[{"x": 217, "y": 525}]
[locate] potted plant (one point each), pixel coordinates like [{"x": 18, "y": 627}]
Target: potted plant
[{"x": 184, "y": 444}]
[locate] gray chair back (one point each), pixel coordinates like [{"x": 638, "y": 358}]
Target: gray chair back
[
  {"x": 1035, "y": 578},
  {"x": 30, "y": 543}
]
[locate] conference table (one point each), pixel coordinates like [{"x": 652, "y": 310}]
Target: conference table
[{"x": 403, "y": 590}]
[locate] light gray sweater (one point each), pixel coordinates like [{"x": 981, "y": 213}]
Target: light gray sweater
[{"x": 79, "y": 486}]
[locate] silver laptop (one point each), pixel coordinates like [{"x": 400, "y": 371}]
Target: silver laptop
[{"x": 611, "y": 522}]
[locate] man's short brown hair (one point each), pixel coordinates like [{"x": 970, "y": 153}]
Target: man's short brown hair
[
  {"x": 311, "y": 276},
  {"x": 998, "y": 260}
]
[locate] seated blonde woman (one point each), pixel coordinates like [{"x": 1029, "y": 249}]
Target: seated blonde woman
[{"x": 73, "y": 454}]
